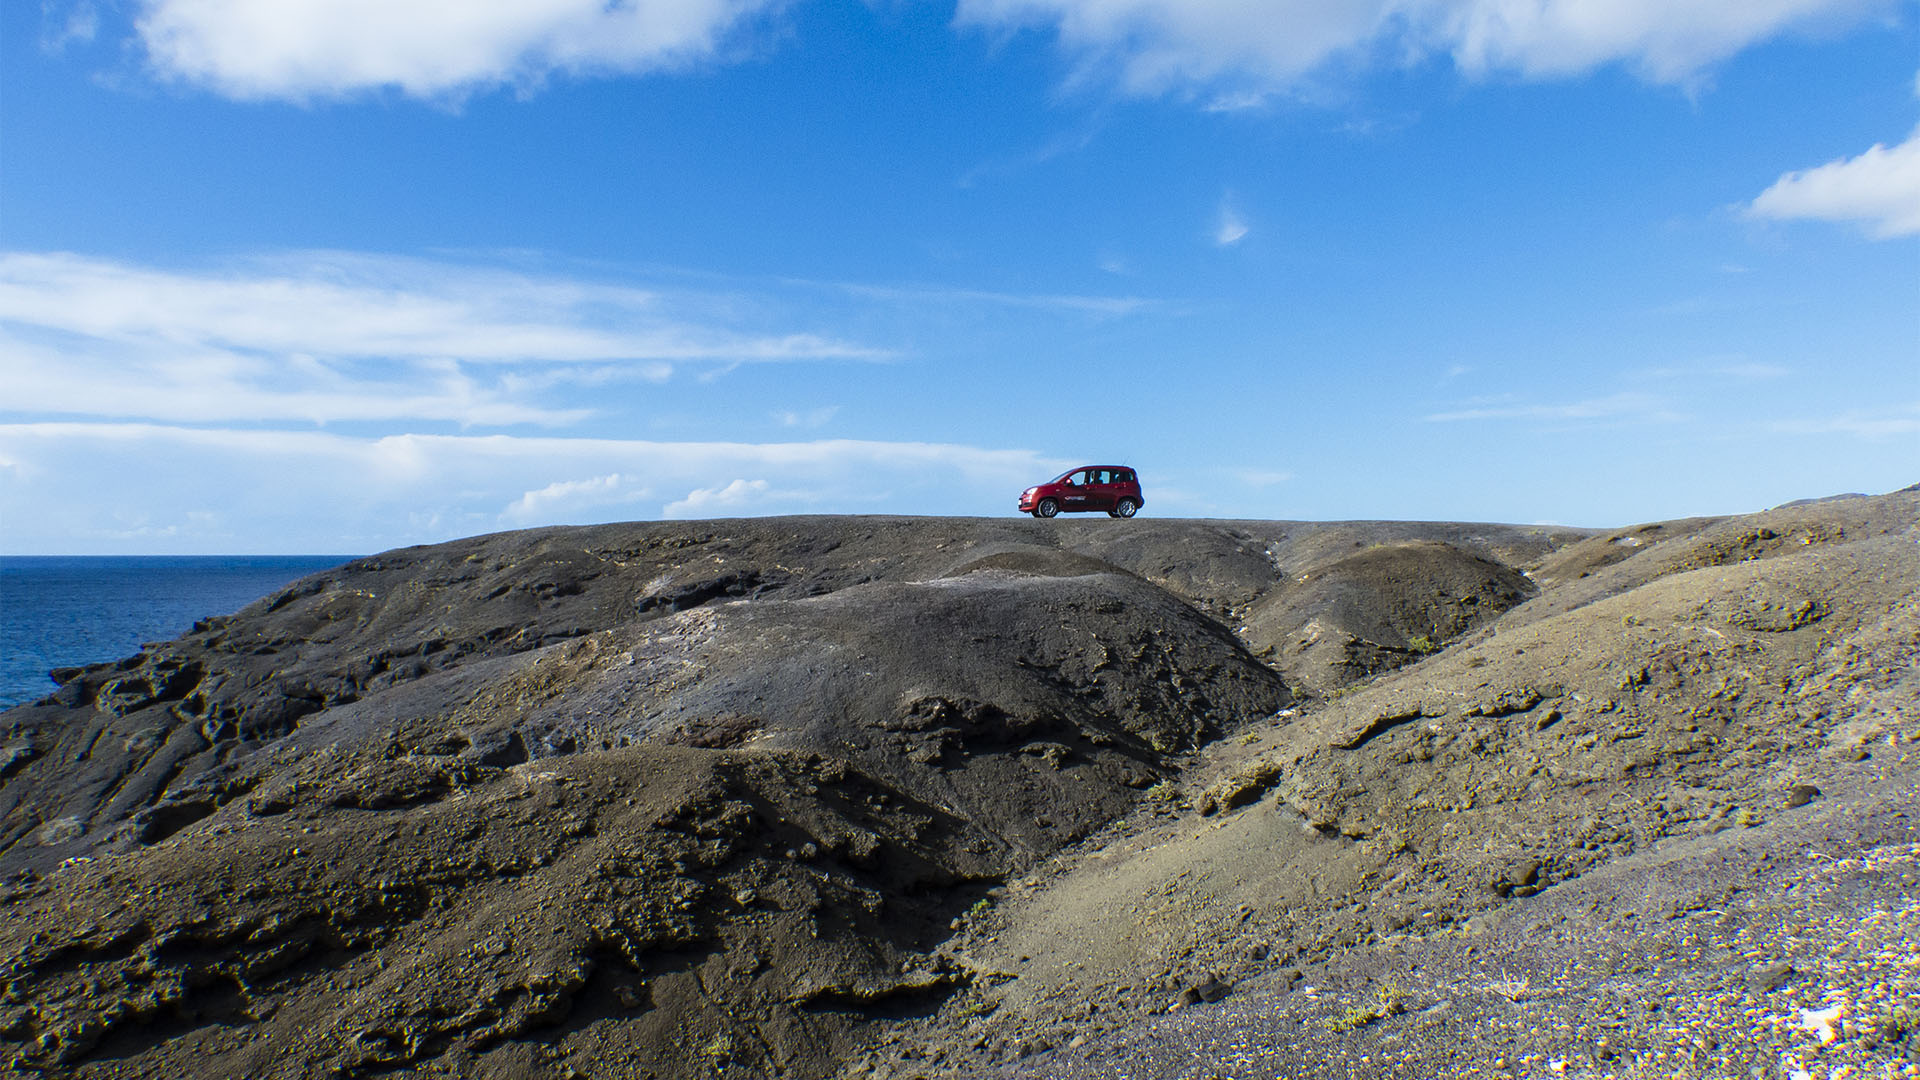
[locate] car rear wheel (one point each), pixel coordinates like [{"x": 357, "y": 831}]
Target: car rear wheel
[
  {"x": 1047, "y": 508},
  {"x": 1125, "y": 508}
]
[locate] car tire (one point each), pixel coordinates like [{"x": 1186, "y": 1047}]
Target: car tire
[
  {"x": 1046, "y": 509},
  {"x": 1124, "y": 509}
]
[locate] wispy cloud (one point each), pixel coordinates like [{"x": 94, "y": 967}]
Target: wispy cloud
[
  {"x": 1237, "y": 101},
  {"x": 809, "y": 418},
  {"x": 1262, "y": 478},
  {"x": 1103, "y": 306},
  {"x": 323, "y": 491},
  {"x": 1230, "y": 228},
  {"x": 1860, "y": 423},
  {"x": 76, "y": 25},
  {"x": 1622, "y": 406},
  {"x": 1879, "y": 190},
  {"x": 331, "y": 336},
  {"x": 1155, "y": 46},
  {"x": 343, "y": 304},
  {"x": 1720, "y": 368},
  {"x": 1060, "y": 145}
]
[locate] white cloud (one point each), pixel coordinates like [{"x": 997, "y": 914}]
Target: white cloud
[
  {"x": 1238, "y": 51},
  {"x": 1878, "y": 189},
  {"x": 86, "y": 379},
  {"x": 1623, "y": 406},
  {"x": 340, "y": 304},
  {"x": 1230, "y": 229},
  {"x": 333, "y": 336},
  {"x": 1157, "y": 45},
  {"x": 317, "y": 491},
  {"x": 1666, "y": 41},
  {"x": 568, "y": 496},
  {"x": 300, "y": 49},
  {"x": 732, "y": 498}
]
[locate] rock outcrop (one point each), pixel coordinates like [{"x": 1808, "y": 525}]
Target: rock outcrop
[{"x": 798, "y": 797}]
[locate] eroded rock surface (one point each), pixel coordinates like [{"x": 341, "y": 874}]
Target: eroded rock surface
[{"x": 815, "y": 797}]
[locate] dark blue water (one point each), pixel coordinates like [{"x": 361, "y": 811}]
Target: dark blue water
[{"x": 65, "y": 611}]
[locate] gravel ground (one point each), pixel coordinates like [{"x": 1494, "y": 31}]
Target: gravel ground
[{"x": 1784, "y": 950}]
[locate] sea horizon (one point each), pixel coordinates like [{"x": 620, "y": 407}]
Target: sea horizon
[{"x": 74, "y": 610}]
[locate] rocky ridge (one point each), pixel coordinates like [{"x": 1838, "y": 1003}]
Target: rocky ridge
[{"x": 815, "y": 797}]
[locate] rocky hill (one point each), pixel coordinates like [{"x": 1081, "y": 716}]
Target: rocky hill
[{"x": 822, "y": 797}]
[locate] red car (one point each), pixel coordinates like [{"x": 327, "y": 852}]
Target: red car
[{"x": 1113, "y": 488}]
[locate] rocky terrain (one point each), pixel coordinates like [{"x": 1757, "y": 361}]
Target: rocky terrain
[{"x": 922, "y": 797}]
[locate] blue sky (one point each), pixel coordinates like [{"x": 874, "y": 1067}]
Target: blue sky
[{"x": 341, "y": 275}]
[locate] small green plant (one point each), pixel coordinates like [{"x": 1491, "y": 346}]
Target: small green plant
[
  {"x": 1388, "y": 1000},
  {"x": 1422, "y": 644},
  {"x": 1356, "y": 1016},
  {"x": 977, "y": 1007},
  {"x": 1166, "y": 793},
  {"x": 980, "y": 907},
  {"x": 1249, "y": 738},
  {"x": 718, "y": 1048},
  {"x": 1391, "y": 999}
]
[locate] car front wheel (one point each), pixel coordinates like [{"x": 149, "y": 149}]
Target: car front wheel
[
  {"x": 1047, "y": 508},
  {"x": 1126, "y": 508}
]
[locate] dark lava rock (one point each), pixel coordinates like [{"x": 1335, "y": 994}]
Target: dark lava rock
[
  {"x": 1210, "y": 989},
  {"x": 480, "y": 806},
  {"x": 1801, "y": 794},
  {"x": 1379, "y": 608}
]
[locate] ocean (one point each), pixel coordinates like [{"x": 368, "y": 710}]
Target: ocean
[{"x": 66, "y": 611}]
